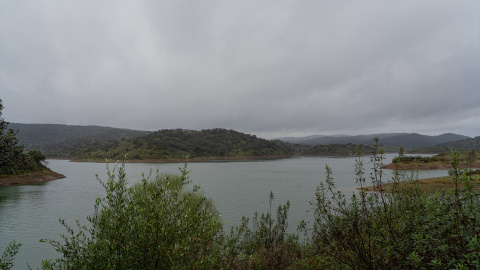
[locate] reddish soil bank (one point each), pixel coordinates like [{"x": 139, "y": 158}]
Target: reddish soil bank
[{"x": 31, "y": 178}]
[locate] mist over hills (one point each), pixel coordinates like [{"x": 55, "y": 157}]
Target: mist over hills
[{"x": 411, "y": 140}]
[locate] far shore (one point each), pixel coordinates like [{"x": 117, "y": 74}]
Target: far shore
[
  {"x": 429, "y": 166},
  {"x": 30, "y": 178},
  {"x": 204, "y": 159},
  {"x": 181, "y": 160},
  {"x": 426, "y": 185}
]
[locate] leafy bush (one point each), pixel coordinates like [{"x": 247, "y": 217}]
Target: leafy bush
[
  {"x": 402, "y": 229},
  {"x": 264, "y": 245},
  {"x": 155, "y": 224},
  {"x": 6, "y": 260}
]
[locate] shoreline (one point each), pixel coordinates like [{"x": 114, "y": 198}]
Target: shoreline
[
  {"x": 182, "y": 160},
  {"x": 429, "y": 166},
  {"x": 431, "y": 184},
  {"x": 205, "y": 159},
  {"x": 30, "y": 178}
]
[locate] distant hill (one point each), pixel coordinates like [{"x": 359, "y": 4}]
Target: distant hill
[
  {"x": 95, "y": 142},
  {"x": 100, "y": 143},
  {"x": 46, "y": 137},
  {"x": 170, "y": 144},
  {"x": 409, "y": 140},
  {"x": 462, "y": 145},
  {"x": 174, "y": 144}
]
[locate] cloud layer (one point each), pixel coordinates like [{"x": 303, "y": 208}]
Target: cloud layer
[{"x": 271, "y": 68}]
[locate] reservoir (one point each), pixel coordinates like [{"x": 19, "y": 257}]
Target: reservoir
[{"x": 29, "y": 213}]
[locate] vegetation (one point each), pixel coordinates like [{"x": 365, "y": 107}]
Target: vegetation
[
  {"x": 164, "y": 222},
  {"x": 460, "y": 145},
  {"x": 156, "y": 224},
  {"x": 435, "y": 184},
  {"x": 409, "y": 140},
  {"x": 398, "y": 230},
  {"x": 175, "y": 144},
  {"x": 53, "y": 139},
  {"x": 466, "y": 159},
  {"x": 6, "y": 260},
  {"x": 13, "y": 160},
  {"x": 100, "y": 143}
]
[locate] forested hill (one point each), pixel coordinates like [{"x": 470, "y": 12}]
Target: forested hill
[
  {"x": 462, "y": 145},
  {"x": 470, "y": 143},
  {"x": 178, "y": 143},
  {"x": 51, "y": 137}
]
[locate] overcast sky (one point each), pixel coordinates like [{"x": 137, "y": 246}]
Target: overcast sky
[{"x": 271, "y": 68}]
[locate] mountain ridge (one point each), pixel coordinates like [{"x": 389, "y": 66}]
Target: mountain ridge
[{"x": 411, "y": 140}]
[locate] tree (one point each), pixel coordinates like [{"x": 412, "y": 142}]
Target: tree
[
  {"x": 12, "y": 159},
  {"x": 401, "y": 152},
  {"x": 471, "y": 156},
  {"x": 10, "y": 152}
]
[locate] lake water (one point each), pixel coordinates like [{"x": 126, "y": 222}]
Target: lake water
[{"x": 29, "y": 213}]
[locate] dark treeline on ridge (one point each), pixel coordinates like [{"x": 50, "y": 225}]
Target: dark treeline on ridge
[
  {"x": 178, "y": 144},
  {"x": 99, "y": 143},
  {"x": 13, "y": 159}
]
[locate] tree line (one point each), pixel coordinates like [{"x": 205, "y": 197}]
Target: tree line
[
  {"x": 13, "y": 160},
  {"x": 178, "y": 143}
]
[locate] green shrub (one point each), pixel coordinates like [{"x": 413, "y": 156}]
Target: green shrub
[
  {"x": 402, "y": 229},
  {"x": 6, "y": 260},
  {"x": 155, "y": 224},
  {"x": 264, "y": 245}
]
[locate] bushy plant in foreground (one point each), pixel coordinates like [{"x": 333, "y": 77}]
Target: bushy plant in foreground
[
  {"x": 263, "y": 245},
  {"x": 6, "y": 260},
  {"x": 401, "y": 229},
  {"x": 155, "y": 224}
]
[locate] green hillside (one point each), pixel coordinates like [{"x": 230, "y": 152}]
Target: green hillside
[
  {"x": 174, "y": 144},
  {"x": 461, "y": 145},
  {"x": 178, "y": 143},
  {"x": 55, "y": 139}
]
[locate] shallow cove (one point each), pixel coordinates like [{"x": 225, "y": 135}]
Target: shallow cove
[{"x": 31, "y": 212}]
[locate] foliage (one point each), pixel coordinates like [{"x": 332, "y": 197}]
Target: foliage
[
  {"x": 178, "y": 143},
  {"x": 6, "y": 260},
  {"x": 12, "y": 159},
  {"x": 161, "y": 223},
  {"x": 402, "y": 229},
  {"x": 464, "y": 158},
  {"x": 155, "y": 224},
  {"x": 264, "y": 245},
  {"x": 460, "y": 145},
  {"x": 53, "y": 139}
]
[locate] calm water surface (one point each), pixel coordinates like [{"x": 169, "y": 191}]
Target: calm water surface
[{"x": 30, "y": 213}]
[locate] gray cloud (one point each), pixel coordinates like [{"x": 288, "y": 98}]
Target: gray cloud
[{"x": 271, "y": 68}]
